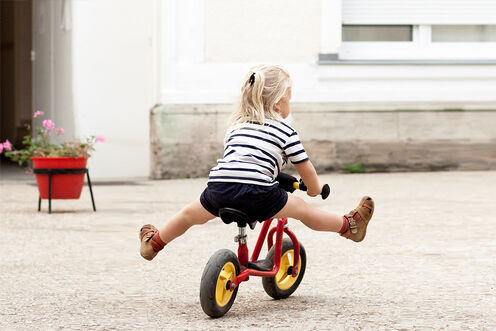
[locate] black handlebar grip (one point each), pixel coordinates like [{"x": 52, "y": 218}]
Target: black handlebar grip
[{"x": 326, "y": 190}]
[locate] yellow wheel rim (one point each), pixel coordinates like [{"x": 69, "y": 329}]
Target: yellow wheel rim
[
  {"x": 222, "y": 294},
  {"x": 283, "y": 280}
]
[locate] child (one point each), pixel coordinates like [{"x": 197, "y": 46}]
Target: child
[{"x": 258, "y": 144}]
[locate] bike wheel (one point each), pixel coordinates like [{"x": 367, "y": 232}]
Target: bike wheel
[
  {"x": 215, "y": 296},
  {"x": 283, "y": 284}
]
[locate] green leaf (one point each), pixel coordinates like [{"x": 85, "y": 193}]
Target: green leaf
[{"x": 357, "y": 168}]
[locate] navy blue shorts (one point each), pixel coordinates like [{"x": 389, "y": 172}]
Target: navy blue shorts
[{"x": 259, "y": 202}]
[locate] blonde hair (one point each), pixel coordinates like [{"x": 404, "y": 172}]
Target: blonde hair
[{"x": 263, "y": 87}]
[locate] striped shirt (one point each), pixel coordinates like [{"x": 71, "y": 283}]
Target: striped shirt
[{"x": 256, "y": 153}]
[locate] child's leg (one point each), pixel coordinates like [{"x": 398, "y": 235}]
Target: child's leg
[
  {"x": 352, "y": 225},
  {"x": 193, "y": 214},
  {"x": 153, "y": 240},
  {"x": 312, "y": 217}
]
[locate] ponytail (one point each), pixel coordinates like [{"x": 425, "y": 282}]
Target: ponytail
[{"x": 263, "y": 87}]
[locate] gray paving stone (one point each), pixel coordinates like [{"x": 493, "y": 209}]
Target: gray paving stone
[{"x": 428, "y": 261}]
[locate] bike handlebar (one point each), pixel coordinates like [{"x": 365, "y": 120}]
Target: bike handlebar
[
  {"x": 290, "y": 184},
  {"x": 326, "y": 190}
]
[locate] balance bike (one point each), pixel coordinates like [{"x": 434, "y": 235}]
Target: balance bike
[{"x": 282, "y": 269}]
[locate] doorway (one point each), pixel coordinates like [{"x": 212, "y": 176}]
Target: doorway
[{"x": 15, "y": 70}]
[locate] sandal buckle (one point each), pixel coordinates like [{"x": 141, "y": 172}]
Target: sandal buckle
[
  {"x": 150, "y": 237},
  {"x": 353, "y": 226}
]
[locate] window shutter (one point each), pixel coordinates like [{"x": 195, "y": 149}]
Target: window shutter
[{"x": 419, "y": 12}]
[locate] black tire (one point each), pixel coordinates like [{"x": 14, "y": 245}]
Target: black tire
[
  {"x": 226, "y": 262},
  {"x": 272, "y": 284}
]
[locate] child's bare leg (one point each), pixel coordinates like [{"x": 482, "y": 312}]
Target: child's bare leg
[
  {"x": 312, "y": 217},
  {"x": 152, "y": 240},
  {"x": 352, "y": 225},
  {"x": 193, "y": 214}
]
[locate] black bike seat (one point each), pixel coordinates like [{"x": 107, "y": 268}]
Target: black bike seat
[{"x": 230, "y": 215}]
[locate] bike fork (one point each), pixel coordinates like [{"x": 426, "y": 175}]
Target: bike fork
[{"x": 243, "y": 251}]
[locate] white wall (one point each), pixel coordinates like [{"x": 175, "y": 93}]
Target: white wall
[
  {"x": 231, "y": 36},
  {"x": 260, "y": 30},
  {"x": 113, "y": 82},
  {"x": 117, "y": 59}
]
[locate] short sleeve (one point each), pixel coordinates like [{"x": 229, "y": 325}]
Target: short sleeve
[{"x": 294, "y": 150}]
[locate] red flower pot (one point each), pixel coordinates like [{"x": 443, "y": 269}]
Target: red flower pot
[{"x": 66, "y": 186}]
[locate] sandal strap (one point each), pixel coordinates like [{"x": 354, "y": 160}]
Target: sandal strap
[{"x": 156, "y": 242}]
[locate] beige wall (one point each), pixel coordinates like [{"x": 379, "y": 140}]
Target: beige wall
[
  {"x": 186, "y": 140},
  {"x": 260, "y": 30}
]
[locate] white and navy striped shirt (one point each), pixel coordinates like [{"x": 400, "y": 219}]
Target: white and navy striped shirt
[{"x": 256, "y": 153}]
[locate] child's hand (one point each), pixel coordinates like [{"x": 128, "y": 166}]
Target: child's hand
[{"x": 313, "y": 192}]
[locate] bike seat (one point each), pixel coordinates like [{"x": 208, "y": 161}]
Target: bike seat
[{"x": 230, "y": 215}]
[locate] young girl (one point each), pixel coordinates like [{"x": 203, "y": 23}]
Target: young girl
[{"x": 257, "y": 146}]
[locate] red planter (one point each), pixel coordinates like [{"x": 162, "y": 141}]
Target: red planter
[{"x": 67, "y": 186}]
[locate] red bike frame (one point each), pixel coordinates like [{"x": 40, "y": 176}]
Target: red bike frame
[{"x": 282, "y": 227}]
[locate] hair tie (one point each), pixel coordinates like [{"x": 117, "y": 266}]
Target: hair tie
[{"x": 252, "y": 79}]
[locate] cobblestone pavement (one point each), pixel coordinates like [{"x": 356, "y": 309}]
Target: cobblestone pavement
[{"x": 428, "y": 261}]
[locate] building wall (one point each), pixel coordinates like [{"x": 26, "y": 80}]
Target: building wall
[
  {"x": 94, "y": 75},
  {"x": 385, "y": 114},
  {"x": 251, "y": 31},
  {"x": 208, "y": 46},
  {"x": 52, "y": 65},
  {"x": 113, "y": 82},
  {"x": 108, "y": 67},
  {"x": 187, "y": 140}
]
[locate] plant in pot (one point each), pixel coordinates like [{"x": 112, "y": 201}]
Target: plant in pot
[{"x": 43, "y": 153}]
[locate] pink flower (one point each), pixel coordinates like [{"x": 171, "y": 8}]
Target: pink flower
[
  {"x": 38, "y": 113},
  {"x": 48, "y": 125},
  {"x": 1, "y": 148},
  {"x": 100, "y": 139},
  {"x": 59, "y": 131},
  {"x": 7, "y": 145}
]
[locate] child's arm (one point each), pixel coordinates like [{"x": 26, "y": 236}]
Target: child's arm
[{"x": 309, "y": 176}]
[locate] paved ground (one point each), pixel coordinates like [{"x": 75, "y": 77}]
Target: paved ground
[{"x": 428, "y": 261}]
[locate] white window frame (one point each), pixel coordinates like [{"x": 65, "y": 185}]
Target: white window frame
[{"x": 420, "y": 48}]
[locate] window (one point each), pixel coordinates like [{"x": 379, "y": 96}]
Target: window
[
  {"x": 413, "y": 30},
  {"x": 464, "y": 33},
  {"x": 418, "y": 42},
  {"x": 377, "y": 32}
]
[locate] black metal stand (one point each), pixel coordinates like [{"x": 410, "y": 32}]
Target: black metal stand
[{"x": 51, "y": 172}]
